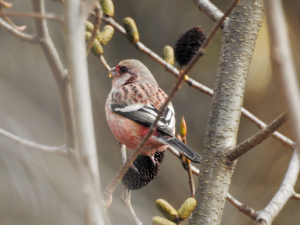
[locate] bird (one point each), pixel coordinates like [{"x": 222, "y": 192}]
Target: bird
[{"x": 132, "y": 106}]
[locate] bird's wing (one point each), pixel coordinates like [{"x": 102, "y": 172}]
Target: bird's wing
[{"x": 146, "y": 114}]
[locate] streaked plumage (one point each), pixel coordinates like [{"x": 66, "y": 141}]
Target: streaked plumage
[{"x": 132, "y": 107}]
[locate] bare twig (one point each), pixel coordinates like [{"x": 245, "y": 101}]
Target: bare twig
[
  {"x": 98, "y": 15},
  {"x": 87, "y": 7},
  {"x": 285, "y": 192},
  {"x": 243, "y": 208},
  {"x": 286, "y": 141},
  {"x": 123, "y": 152},
  {"x": 126, "y": 199},
  {"x": 296, "y": 196},
  {"x": 283, "y": 63},
  {"x": 11, "y": 23},
  {"x": 103, "y": 61},
  {"x": 19, "y": 34},
  {"x": 211, "y": 10},
  {"x": 63, "y": 150},
  {"x": 257, "y": 138},
  {"x": 113, "y": 184},
  {"x": 33, "y": 15},
  {"x": 58, "y": 71}
]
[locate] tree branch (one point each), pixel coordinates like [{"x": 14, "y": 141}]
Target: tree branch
[
  {"x": 285, "y": 192},
  {"x": 33, "y": 15},
  {"x": 24, "y": 37},
  {"x": 257, "y": 138},
  {"x": 191, "y": 82},
  {"x": 211, "y": 10},
  {"x": 63, "y": 150},
  {"x": 238, "y": 43},
  {"x": 113, "y": 184},
  {"x": 282, "y": 62}
]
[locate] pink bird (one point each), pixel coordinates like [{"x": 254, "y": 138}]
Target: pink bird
[{"x": 133, "y": 105}]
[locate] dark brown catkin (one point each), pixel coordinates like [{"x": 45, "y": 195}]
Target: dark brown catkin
[
  {"x": 134, "y": 180},
  {"x": 188, "y": 45}
]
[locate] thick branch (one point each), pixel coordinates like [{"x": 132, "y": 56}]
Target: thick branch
[
  {"x": 238, "y": 43},
  {"x": 256, "y": 138},
  {"x": 283, "y": 63},
  {"x": 286, "y": 141},
  {"x": 19, "y": 34},
  {"x": 38, "y": 147},
  {"x": 113, "y": 184},
  {"x": 285, "y": 192}
]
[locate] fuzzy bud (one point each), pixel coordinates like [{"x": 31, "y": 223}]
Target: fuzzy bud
[
  {"x": 188, "y": 45},
  {"x": 107, "y": 7},
  {"x": 106, "y": 34},
  {"x": 131, "y": 30},
  {"x": 157, "y": 220},
  {"x": 168, "y": 54},
  {"x": 187, "y": 208},
  {"x": 96, "y": 49},
  {"x": 90, "y": 28},
  {"x": 166, "y": 209}
]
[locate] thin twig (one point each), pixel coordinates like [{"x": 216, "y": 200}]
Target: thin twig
[
  {"x": 95, "y": 33},
  {"x": 282, "y": 62},
  {"x": 126, "y": 199},
  {"x": 257, "y": 138},
  {"x": 191, "y": 82},
  {"x": 210, "y": 9},
  {"x": 284, "y": 193},
  {"x": 63, "y": 151},
  {"x": 123, "y": 152},
  {"x": 33, "y": 15},
  {"x": 104, "y": 63},
  {"x": 113, "y": 184},
  {"x": 11, "y": 23},
  {"x": 296, "y": 195},
  {"x": 240, "y": 206},
  {"x": 24, "y": 37}
]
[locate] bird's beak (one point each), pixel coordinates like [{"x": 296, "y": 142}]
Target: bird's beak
[{"x": 112, "y": 72}]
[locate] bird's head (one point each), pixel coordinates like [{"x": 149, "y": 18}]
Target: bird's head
[{"x": 131, "y": 71}]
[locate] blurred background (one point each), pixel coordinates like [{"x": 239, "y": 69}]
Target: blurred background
[{"x": 38, "y": 188}]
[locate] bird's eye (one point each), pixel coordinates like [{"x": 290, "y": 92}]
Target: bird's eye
[{"x": 123, "y": 69}]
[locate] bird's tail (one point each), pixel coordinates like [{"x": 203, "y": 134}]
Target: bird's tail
[{"x": 184, "y": 149}]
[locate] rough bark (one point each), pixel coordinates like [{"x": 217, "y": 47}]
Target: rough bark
[{"x": 238, "y": 44}]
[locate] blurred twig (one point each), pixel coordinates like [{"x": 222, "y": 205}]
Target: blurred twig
[
  {"x": 25, "y": 37},
  {"x": 103, "y": 61},
  {"x": 257, "y": 138},
  {"x": 286, "y": 141},
  {"x": 33, "y": 15},
  {"x": 211, "y": 10},
  {"x": 63, "y": 150},
  {"x": 98, "y": 15},
  {"x": 113, "y": 184},
  {"x": 284, "y": 193},
  {"x": 283, "y": 63},
  {"x": 126, "y": 199}
]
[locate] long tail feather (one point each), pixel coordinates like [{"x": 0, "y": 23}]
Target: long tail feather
[{"x": 184, "y": 149}]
